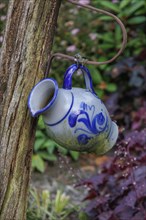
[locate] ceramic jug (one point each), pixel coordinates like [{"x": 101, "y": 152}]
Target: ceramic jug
[{"x": 75, "y": 118}]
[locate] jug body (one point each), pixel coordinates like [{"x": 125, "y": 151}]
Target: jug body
[
  {"x": 83, "y": 125},
  {"x": 74, "y": 117}
]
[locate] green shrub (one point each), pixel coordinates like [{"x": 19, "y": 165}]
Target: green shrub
[
  {"x": 98, "y": 37},
  {"x": 47, "y": 150}
]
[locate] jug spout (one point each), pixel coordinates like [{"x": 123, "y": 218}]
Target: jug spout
[{"x": 42, "y": 96}]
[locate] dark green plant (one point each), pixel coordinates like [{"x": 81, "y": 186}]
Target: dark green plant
[
  {"x": 46, "y": 150},
  {"x": 132, "y": 13},
  {"x": 43, "y": 149},
  {"x": 98, "y": 37}
]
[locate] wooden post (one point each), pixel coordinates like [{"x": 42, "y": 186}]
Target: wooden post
[{"x": 27, "y": 43}]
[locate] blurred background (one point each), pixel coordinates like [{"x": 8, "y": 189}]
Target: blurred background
[{"x": 122, "y": 87}]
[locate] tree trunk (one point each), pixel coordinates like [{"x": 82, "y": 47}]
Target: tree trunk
[{"x": 27, "y": 43}]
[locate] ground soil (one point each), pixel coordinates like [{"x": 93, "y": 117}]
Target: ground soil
[{"x": 66, "y": 173}]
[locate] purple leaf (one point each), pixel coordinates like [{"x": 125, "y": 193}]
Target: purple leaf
[{"x": 107, "y": 216}]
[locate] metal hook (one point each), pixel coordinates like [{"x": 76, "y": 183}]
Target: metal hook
[
  {"x": 124, "y": 34},
  {"x": 80, "y": 60}
]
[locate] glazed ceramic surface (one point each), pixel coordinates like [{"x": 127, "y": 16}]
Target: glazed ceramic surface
[{"x": 74, "y": 117}]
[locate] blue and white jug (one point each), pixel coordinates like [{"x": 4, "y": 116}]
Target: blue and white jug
[{"x": 75, "y": 118}]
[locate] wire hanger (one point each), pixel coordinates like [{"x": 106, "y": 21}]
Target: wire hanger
[{"x": 77, "y": 58}]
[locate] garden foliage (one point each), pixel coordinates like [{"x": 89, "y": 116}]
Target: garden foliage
[
  {"x": 46, "y": 150},
  {"x": 98, "y": 37},
  {"x": 42, "y": 206},
  {"x": 118, "y": 191}
]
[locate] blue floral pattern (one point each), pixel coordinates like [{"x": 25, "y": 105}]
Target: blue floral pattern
[{"x": 94, "y": 123}]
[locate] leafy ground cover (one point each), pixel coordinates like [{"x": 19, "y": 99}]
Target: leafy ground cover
[
  {"x": 119, "y": 190},
  {"x": 116, "y": 190}
]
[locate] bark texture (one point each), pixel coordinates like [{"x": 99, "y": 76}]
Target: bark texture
[{"x": 27, "y": 43}]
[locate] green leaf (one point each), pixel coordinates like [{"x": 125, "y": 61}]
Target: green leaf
[
  {"x": 118, "y": 34},
  {"x": 38, "y": 144},
  {"x": 110, "y": 5},
  {"x": 106, "y": 46},
  {"x": 74, "y": 154},
  {"x": 103, "y": 66},
  {"x": 51, "y": 157},
  {"x": 83, "y": 216},
  {"x": 49, "y": 145},
  {"x": 45, "y": 156},
  {"x": 62, "y": 150},
  {"x": 38, "y": 163},
  {"x": 140, "y": 11},
  {"x": 99, "y": 93},
  {"x": 108, "y": 37},
  {"x": 61, "y": 202},
  {"x": 41, "y": 123},
  {"x": 105, "y": 18},
  {"x": 133, "y": 42},
  {"x": 96, "y": 76},
  {"x": 51, "y": 149},
  {"x": 134, "y": 7},
  {"x": 124, "y": 3},
  {"x": 111, "y": 87},
  {"x": 39, "y": 134},
  {"x": 137, "y": 20}
]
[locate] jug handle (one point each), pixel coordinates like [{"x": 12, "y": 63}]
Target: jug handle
[{"x": 67, "y": 82}]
